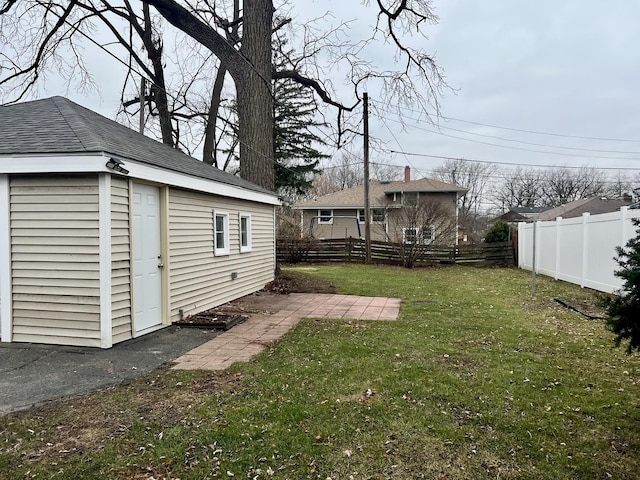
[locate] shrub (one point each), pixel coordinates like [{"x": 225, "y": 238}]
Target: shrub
[
  {"x": 623, "y": 311},
  {"x": 499, "y": 232}
]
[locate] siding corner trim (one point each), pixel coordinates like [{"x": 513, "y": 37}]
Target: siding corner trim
[
  {"x": 5, "y": 262},
  {"x": 104, "y": 213}
]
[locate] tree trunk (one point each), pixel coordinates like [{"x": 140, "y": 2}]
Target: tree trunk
[
  {"x": 209, "y": 148},
  {"x": 251, "y": 72},
  {"x": 158, "y": 86},
  {"x": 255, "y": 101}
]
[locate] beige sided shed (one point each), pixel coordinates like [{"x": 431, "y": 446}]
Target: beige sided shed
[{"x": 106, "y": 235}]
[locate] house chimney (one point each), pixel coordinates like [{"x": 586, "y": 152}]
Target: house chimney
[{"x": 407, "y": 174}]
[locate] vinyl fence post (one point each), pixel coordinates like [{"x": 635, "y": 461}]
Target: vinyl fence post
[
  {"x": 585, "y": 246},
  {"x": 558, "y": 241},
  {"x": 533, "y": 261}
]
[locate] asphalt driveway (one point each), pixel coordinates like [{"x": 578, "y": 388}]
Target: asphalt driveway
[{"x": 31, "y": 374}]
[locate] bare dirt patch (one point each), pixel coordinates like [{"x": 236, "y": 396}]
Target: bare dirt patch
[{"x": 268, "y": 300}]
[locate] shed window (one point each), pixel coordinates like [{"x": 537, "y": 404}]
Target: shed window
[
  {"x": 221, "y": 233},
  {"x": 325, "y": 216},
  {"x": 245, "y": 232}
]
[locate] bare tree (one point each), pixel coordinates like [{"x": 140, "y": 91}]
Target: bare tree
[
  {"x": 471, "y": 175},
  {"x": 347, "y": 171},
  {"x": 474, "y": 177},
  {"x": 519, "y": 188},
  {"x": 620, "y": 185},
  {"x": 382, "y": 172},
  {"x": 243, "y": 49},
  {"x": 342, "y": 172},
  {"x": 421, "y": 222},
  {"x": 562, "y": 185}
]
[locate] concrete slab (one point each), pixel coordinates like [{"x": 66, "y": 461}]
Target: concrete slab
[{"x": 31, "y": 374}]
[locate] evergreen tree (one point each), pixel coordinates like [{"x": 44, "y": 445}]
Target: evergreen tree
[
  {"x": 499, "y": 232},
  {"x": 295, "y": 153},
  {"x": 624, "y": 310}
]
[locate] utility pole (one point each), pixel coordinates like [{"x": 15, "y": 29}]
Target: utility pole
[{"x": 367, "y": 213}]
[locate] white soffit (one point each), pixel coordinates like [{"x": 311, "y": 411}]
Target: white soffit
[{"x": 82, "y": 163}]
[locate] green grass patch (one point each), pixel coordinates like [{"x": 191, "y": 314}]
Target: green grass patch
[{"x": 476, "y": 379}]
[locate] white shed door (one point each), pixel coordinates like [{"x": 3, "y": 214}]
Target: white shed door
[{"x": 147, "y": 284}]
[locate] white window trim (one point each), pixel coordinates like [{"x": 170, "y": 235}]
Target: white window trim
[
  {"x": 384, "y": 215},
  {"x": 423, "y": 240},
  {"x": 224, "y": 250},
  {"x": 247, "y": 247},
  {"x": 322, "y": 222},
  {"x": 432, "y": 234},
  {"x": 361, "y": 215},
  {"x": 404, "y": 234}
]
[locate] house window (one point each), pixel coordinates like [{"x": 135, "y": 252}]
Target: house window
[
  {"x": 377, "y": 215},
  {"x": 221, "y": 233},
  {"x": 409, "y": 235},
  {"x": 428, "y": 234},
  {"x": 410, "y": 198},
  {"x": 424, "y": 235},
  {"x": 325, "y": 216},
  {"x": 245, "y": 232}
]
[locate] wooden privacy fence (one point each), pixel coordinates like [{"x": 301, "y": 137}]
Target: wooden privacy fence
[{"x": 353, "y": 250}]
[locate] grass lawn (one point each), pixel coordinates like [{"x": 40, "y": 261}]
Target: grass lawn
[{"x": 477, "y": 379}]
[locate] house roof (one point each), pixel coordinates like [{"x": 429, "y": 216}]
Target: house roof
[
  {"x": 512, "y": 216},
  {"x": 593, "y": 205},
  {"x": 354, "y": 197},
  {"x": 57, "y": 125},
  {"x": 528, "y": 211}
]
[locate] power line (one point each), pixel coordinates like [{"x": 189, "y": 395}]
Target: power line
[
  {"x": 519, "y": 148},
  {"x": 535, "y": 132},
  {"x": 512, "y": 164},
  {"x": 582, "y": 137},
  {"x": 537, "y": 144}
]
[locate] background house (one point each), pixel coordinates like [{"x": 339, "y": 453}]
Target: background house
[
  {"x": 593, "y": 206},
  {"x": 421, "y": 210},
  {"x": 521, "y": 214},
  {"x": 106, "y": 235}
]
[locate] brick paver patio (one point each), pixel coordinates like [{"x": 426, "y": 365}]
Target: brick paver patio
[{"x": 244, "y": 341}]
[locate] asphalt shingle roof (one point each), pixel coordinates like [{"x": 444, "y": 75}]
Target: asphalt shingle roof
[
  {"x": 593, "y": 205},
  {"x": 57, "y": 125},
  {"x": 354, "y": 197}
]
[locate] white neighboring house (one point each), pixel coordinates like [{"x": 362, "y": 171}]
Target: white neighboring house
[{"x": 106, "y": 235}]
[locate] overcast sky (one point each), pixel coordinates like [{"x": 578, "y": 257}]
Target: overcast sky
[
  {"x": 561, "y": 67},
  {"x": 566, "y": 68}
]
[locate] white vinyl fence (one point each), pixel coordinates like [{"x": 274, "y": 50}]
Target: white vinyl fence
[{"x": 578, "y": 250}]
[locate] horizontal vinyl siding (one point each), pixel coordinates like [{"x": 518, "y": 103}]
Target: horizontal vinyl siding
[
  {"x": 341, "y": 227},
  {"x": 120, "y": 261},
  {"x": 55, "y": 259},
  {"x": 198, "y": 279}
]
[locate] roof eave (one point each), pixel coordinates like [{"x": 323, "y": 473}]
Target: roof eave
[{"x": 94, "y": 162}]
